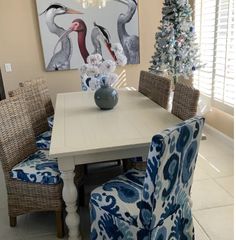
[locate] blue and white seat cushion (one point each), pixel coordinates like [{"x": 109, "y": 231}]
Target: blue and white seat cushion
[
  {"x": 43, "y": 141},
  {"x": 50, "y": 121},
  {"x": 154, "y": 204},
  {"x": 37, "y": 168}
]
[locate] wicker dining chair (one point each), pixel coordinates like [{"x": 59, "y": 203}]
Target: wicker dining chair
[
  {"x": 17, "y": 142},
  {"x": 160, "y": 91},
  {"x": 146, "y": 82},
  {"x": 37, "y": 114},
  {"x": 185, "y": 101},
  {"x": 44, "y": 91},
  {"x": 35, "y": 107}
]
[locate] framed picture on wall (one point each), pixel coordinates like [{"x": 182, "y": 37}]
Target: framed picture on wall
[{"x": 69, "y": 32}]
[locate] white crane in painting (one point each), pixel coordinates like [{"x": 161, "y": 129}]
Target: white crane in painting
[
  {"x": 130, "y": 43},
  {"x": 61, "y": 59}
]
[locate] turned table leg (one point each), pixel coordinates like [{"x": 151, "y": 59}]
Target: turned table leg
[{"x": 70, "y": 195}]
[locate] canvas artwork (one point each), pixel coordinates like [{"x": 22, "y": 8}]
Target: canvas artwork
[{"x": 70, "y": 33}]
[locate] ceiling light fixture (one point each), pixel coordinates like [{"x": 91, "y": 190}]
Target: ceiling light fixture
[{"x": 93, "y": 3}]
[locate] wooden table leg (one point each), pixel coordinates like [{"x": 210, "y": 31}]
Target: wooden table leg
[{"x": 70, "y": 195}]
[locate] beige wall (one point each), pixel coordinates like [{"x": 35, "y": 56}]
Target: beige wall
[
  {"x": 20, "y": 45},
  {"x": 222, "y": 121}
]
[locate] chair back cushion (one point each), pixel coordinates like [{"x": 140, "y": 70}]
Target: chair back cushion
[
  {"x": 35, "y": 107},
  {"x": 185, "y": 101},
  {"x": 17, "y": 139},
  {"x": 169, "y": 174}
]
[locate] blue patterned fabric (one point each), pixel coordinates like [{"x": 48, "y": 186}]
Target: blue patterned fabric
[
  {"x": 51, "y": 121},
  {"x": 154, "y": 204},
  {"x": 37, "y": 168},
  {"x": 43, "y": 141}
]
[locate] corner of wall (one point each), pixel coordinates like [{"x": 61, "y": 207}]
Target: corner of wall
[{"x": 222, "y": 121}]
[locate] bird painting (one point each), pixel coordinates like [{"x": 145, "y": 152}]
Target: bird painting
[
  {"x": 61, "y": 59},
  {"x": 130, "y": 43},
  {"x": 64, "y": 50},
  {"x": 99, "y": 35}
]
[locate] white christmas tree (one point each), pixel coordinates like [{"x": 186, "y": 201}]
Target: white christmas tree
[{"x": 176, "y": 52}]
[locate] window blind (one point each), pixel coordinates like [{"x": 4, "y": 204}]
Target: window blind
[{"x": 214, "y": 25}]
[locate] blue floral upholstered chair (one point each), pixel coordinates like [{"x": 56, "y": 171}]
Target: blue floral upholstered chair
[{"x": 155, "y": 204}]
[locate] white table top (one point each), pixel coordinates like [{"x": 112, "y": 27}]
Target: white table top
[{"x": 80, "y": 127}]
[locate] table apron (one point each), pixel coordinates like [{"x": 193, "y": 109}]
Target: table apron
[{"x": 111, "y": 155}]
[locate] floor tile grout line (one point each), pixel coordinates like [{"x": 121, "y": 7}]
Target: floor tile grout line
[
  {"x": 202, "y": 228},
  {"x": 215, "y": 207},
  {"x": 223, "y": 188},
  {"x": 213, "y": 178}
]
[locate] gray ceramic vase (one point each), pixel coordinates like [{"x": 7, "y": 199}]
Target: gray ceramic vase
[{"x": 106, "y": 97}]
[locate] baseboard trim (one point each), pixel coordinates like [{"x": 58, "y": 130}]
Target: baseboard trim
[{"x": 212, "y": 129}]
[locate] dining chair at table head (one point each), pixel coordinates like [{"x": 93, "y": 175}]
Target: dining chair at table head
[
  {"x": 41, "y": 84},
  {"x": 160, "y": 91},
  {"x": 32, "y": 180},
  {"x": 155, "y": 204},
  {"x": 185, "y": 101},
  {"x": 146, "y": 82}
]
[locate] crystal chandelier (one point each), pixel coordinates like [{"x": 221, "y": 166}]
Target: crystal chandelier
[{"x": 93, "y": 3}]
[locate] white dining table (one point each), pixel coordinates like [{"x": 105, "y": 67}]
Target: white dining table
[{"x": 83, "y": 134}]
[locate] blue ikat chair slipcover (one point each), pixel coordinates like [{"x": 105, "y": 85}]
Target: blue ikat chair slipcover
[{"x": 154, "y": 204}]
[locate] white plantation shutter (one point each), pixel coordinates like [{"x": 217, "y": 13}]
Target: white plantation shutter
[{"x": 214, "y": 24}]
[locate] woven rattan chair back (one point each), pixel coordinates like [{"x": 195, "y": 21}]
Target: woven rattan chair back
[
  {"x": 160, "y": 91},
  {"x": 185, "y": 101},
  {"x": 17, "y": 139},
  {"x": 145, "y": 83},
  {"x": 44, "y": 91},
  {"x": 155, "y": 87},
  {"x": 35, "y": 106}
]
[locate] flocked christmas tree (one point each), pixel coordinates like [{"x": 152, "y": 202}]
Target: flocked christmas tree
[{"x": 176, "y": 52}]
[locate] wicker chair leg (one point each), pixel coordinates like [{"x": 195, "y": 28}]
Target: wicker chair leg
[
  {"x": 12, "y": 221},
  {"x": 60, "y": 224}
]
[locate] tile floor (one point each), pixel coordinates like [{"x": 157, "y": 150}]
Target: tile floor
[{"x": 212, "y": 195}]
